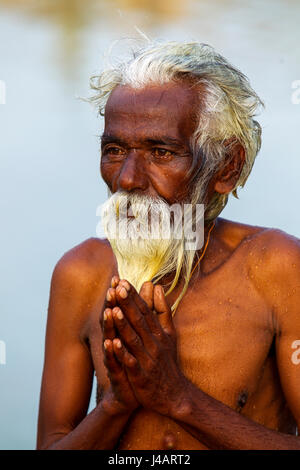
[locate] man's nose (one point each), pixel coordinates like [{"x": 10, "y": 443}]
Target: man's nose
[{"x": 133, "y": 175}]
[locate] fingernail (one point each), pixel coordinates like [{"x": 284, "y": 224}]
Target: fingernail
[
  {"x": 114, "y": 281},
  {"x": 108, "y": 296},
  {"x": 125, "y": 284},
  {"x": 120, "y": 315},
  {"x": 118, "y": 344},
  {"x": 123, "y": 293},
  {"x": 105, "y": 344},
  {"x": 105, "y": 316}
]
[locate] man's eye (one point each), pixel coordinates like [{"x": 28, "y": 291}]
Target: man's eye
[
  {"x": 159, "y": 153},
  {"x": 114, "y": 151}
]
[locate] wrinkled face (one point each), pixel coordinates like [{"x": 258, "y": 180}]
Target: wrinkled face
[{"x": 146, "y": 140}]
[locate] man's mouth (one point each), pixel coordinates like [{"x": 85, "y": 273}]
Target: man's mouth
[{"x": 130, "y": 214}]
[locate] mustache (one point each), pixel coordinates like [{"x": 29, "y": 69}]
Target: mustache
[
  {"x": 141, "y": 214},
  {"x": 134, "y": 216},
  {"x": 126, "y": 204}
]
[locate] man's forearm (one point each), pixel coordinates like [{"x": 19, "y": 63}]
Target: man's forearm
[
  {"x": 220, "y": 427},
  {"x": 99, "y": 430}
]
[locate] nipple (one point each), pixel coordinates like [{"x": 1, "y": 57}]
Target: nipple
[{"x": 169, "y": 440}]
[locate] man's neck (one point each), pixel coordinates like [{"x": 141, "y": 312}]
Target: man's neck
[{"x": 167, "y": 280}]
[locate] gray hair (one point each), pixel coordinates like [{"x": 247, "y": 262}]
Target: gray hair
[{"x": 228, "y": 103}]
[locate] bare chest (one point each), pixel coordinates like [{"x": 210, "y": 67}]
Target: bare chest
[
  {"x": 224, "y": 337},
  {"x": 224, "y": 334}
]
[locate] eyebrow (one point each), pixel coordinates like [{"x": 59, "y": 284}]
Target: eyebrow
[
  {"x": 108, "y": 138},
  {"x": 155, "y": 140}
]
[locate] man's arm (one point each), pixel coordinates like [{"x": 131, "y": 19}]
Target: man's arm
[
  {"x": 279, "y": 282},
  {"x": 220, "y": 427},
  {"x": 159, "y": 385},
  {"x": 68, "y": 369}
]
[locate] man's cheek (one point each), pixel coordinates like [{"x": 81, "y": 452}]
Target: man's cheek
[{"x": 109, "y": 173}]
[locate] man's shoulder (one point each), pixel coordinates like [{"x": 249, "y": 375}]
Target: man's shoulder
[
  {"x": 267, "y": 250},
  {"x": 272, "y": 256},
  {"x": 85, "y": 263},
  {"x": 266, "y": 238},
  {"x": 78, "y": 281},
  {"x": 234, "y": 234},
  {"x": 275, "y": 250}
]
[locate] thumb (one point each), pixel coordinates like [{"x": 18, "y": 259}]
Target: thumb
[
  {"x": 146, "y": 292},
  {"x": 164, "y": 313}
]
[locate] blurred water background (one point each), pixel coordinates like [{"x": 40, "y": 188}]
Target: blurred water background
[{"x": 49, "y": 150}]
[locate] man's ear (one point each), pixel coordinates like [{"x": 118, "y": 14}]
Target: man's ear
[{"x": 227, "y": 177}]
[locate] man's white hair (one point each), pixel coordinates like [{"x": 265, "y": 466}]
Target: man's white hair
[{"x": 227, "y": 104}]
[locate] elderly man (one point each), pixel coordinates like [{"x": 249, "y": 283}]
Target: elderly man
[{"x": 192, "y": 348}]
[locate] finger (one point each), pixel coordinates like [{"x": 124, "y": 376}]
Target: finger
[
  {"x": 146, "y": 293},
  {"x": 108, "y": 328},
  {"x": 150, "y": 317},
  {"x": 124, "y": 283},
  {"x": 109, "y": 302},
  {"x": 128, "y": 335},
  {"x": 110, "y": 361},
  {"x": 146, "y": 306},
  {"x": 114, "y": 281},
  {"x": 128, "y": 300},
  {"x": 110, "y": 299},
  {"x": 124, "y": 357},
  {"x": 163, "y": 310}
]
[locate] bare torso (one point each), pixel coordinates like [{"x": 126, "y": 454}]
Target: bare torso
[{"x": 226, "y": 340}]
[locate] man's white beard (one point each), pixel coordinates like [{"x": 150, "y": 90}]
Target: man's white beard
[{"x": 141, "y": 257}]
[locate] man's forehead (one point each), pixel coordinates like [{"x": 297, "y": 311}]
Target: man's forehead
[
  {"x": 171, "y": 106},
  {"x": 152, "y": 99}
]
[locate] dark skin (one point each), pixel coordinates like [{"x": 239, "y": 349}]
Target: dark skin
[{"x": 218, "y": 375}]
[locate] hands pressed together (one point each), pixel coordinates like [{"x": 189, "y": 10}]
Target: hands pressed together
[{"x": 139, "y": 345}]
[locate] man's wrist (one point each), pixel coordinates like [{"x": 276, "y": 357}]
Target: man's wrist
[
  {"x": 113, "y": 407},
  {"x": 181, "y": 406}
]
